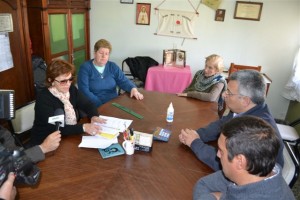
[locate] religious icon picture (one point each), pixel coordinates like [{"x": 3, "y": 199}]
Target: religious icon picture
[
  {"x": 220, "y": 15},
  {"x": 143, "y": 11}
]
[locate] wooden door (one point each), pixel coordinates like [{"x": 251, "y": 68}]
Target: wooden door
[
  {"x": 60, "y": 32},
  {"x": 20, "y": 76}
]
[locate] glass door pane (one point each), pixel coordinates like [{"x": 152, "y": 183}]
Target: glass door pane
[
  {"x": 78, "y": 30},
  {"x": 58, "y": 33},
  {"x": 63, "y": 57}
]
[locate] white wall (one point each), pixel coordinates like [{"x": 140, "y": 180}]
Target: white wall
[{"x": 271, "y": 42}]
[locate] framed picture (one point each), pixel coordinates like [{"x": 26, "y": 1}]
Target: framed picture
[
  {"x": 143, "y": 11},
  {"x": 126, "y": 1},
  {"x": 220, "y": 15},
  {"x": 248, "y": 10},
  {"x": 174, "y": 57},
  {"x": 6, "y": 23}
]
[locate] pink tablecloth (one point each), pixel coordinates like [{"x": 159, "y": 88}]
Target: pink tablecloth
[{"x": 168, "y": 79}]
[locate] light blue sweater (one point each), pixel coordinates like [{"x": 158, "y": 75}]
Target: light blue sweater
[{"x": 101, "y": 88}]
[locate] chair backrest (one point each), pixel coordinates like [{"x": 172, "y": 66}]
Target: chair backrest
[
  {"x": 24, "y": 118},
  {"x": 290, "y": 171},
  {"x": 126, "y": 70},
  {"x": 234, "y": 68},
  {"x": 39, "y": 72},
  {"x": 139, "y": 66}
]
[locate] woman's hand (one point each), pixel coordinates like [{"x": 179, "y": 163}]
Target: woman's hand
[
  {"x": 96, "y": 119},
  {"x": 91, "y": 128},
  {"x": 182, "y": 94},
  {"x": 135, "y": 93}
]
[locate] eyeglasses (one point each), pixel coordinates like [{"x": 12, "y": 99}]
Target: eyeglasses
[
  {"x": 64, "y": 82},
  {"x": 229, "y": 93}
]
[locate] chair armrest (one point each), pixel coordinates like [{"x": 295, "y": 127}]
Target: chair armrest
[{"x": 296, "y": 122}]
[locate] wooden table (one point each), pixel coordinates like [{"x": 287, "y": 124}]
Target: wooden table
[{"x": 170, "y": 171}]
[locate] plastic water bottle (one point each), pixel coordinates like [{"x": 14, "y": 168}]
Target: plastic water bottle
[{"x": 170, "y": 113}]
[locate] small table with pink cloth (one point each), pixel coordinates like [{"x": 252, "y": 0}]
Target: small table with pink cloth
[{"x": 168, "y": 79}]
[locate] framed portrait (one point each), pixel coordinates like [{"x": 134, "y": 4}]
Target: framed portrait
[
  {"x": 220, "y": 15},
  {"x": 126, "y": 1},
  {"x": 248, "y": 10},
  {"x": 143, "y": 11}
]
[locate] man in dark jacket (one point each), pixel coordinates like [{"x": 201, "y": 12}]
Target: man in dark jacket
[
  {"x": 245, "y": 95},
  {"x": 35, "y": 153}
]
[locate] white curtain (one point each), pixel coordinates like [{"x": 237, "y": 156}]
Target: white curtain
[
  {"x": 176, "y": 23},
  {"x": 292, "y": 88}
]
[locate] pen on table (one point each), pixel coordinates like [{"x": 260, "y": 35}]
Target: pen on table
[{"x": 131, "y": 134}]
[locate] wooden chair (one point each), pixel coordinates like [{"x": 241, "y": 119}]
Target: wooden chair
[{"x": 235, "y": 67}]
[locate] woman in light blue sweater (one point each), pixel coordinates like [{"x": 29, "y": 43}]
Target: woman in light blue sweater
[{"x": 99, "y": 78}]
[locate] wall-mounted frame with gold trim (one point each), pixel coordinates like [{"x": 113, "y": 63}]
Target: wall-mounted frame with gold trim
[
  {"x": 126, "y": 1},
  {"x": 248, "y": 10}
]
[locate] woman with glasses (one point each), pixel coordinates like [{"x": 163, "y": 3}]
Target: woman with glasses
[{"x": 61, "y": 94}]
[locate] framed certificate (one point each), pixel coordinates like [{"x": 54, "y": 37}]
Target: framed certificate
[
  {"x": 248, "y": 10},
  {"x": 6, "y": 23}
]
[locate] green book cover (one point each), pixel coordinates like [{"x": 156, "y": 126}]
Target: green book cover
[{"x": 112, "y": 151}]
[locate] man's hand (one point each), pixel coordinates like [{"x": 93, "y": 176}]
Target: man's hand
[
  {"x": 51, "y": 142},
  {"x": 187, "y": 136},
  {"x": 8, "y": 191}
]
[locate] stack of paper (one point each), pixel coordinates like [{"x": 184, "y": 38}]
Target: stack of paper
[
  {"x": 96, "y": 142},
  {"x": 113, "y": 127},
  {"x": 108, "y": 135}
]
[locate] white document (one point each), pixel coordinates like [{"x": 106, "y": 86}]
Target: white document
[
  {"x": 6, "y": 61},
  {"x": 114, "y": 125},
  {"x": 96, "y": 142}
]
